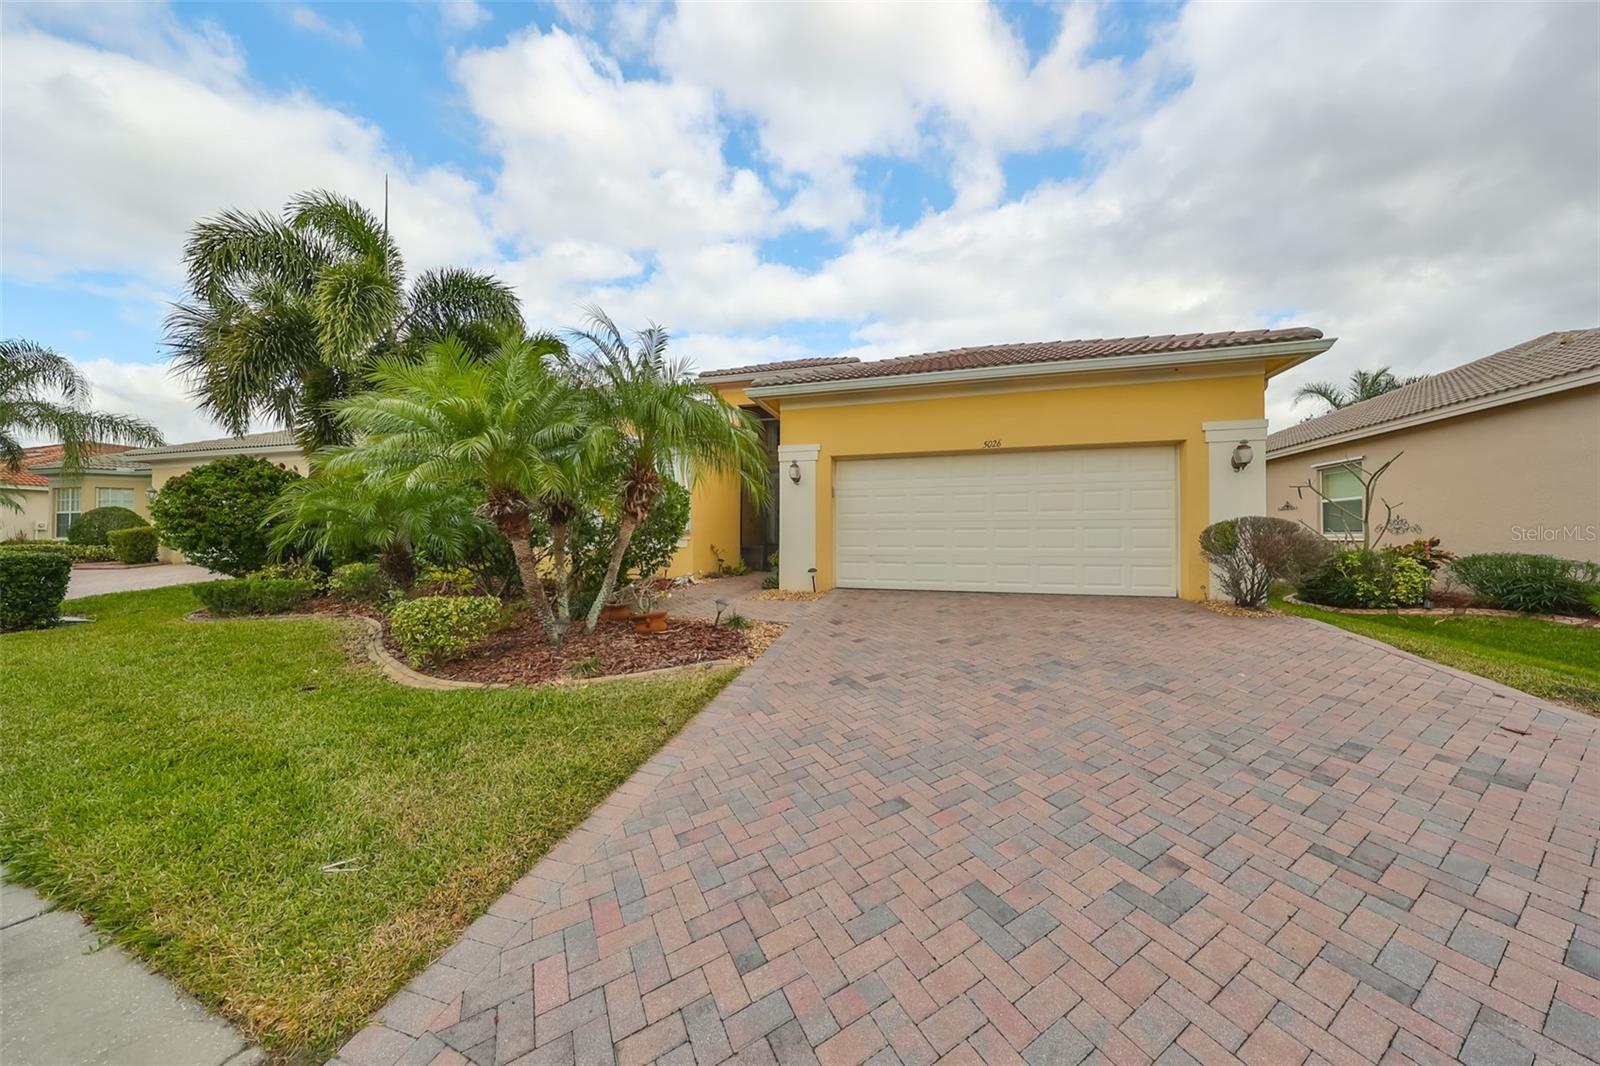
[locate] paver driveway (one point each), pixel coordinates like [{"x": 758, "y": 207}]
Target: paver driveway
[{"x": 971, "y": 828}]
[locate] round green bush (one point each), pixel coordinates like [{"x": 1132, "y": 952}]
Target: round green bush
[
  {"x": 1539, "y": 584},
  {"x": 434, "y": 628},
  {"x": 1364, "y": 578},
  {"x": 214, "y": 513},
  {"x": 360, "y": 583},
  {"x": 32, "y": 586},
  {"x": 136, "y": 544},
  {"x": 91, "y": 527}
]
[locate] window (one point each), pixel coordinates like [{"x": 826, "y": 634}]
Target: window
[
  {"x": 69, "y": 504},
  {"x": 114, "y": 498},
  {"x": 1345, "y": 498}
]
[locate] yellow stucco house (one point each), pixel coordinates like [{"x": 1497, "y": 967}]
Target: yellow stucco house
[
  {"x": 130, "y": 478},
  {"x": 1063, "y": 467}
]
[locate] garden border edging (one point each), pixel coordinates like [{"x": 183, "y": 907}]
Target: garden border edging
[{"x": 403, "y": 674}]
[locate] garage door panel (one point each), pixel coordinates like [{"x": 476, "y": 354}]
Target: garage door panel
[{"x": 1089, "y": 520}]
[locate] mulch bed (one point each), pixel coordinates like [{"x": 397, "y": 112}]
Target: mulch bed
[{"x": 520, "y": 654}]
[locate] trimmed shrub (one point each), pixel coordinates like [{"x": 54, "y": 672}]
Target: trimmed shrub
[
  {"x": 446, "y": 581},
  {"x": 1250, "y": 553},
  {"x": 294, "y": 572},
  {"x": 76, "y": 553},
  {"x": 1513, "y": 581},
  {"x": 91, "y": 527},
  {"x": 136, "y": 544},
  {"x": 359, "y": 583},
  {"x": 213, "y": 514},
  {"x": 253, "y": 595},
  {"x": 1364, "y": 578},
  {"x": 434, "y": 628},
  {"x": 32, "y": 586}
]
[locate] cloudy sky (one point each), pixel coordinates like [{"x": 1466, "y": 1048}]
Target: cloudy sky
[{"x": 1421, "y": 181}]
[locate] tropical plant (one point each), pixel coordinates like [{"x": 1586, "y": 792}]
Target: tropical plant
[
  {"x": 1360, "y": 577},
  {"x": 213, "y": 513},
  {"x": 43, "y": 395},
  {"x": 511, "y": 424},
  {"x": 92, "y": 525},
  {"x": 656, "y": 419},
  {"x": 1363, "y": 385},
  {"x": 1517, "y": 581},
  {"x": 655, "y": 541},
  {"x": 283, "y": 317},
  {"x": 1426, "y": 551},
  {"x": 345, "y": 512}
]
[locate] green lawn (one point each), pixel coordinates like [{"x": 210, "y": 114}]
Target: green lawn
[
  {"x": 184, "y": 785},
  {"x": 1558, "y": 662}
]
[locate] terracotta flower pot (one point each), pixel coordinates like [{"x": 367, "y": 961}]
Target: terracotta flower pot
[
  {"x": 615, "y": 612},
  {"x": 650, "y": 622}
]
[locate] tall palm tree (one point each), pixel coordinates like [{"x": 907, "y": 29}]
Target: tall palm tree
[
  {"x": 1364, "y": 385},
  {"x": 346, "y": 509},
  {"x": 655, "y": 418},
  {"x": 42, "y": 394},
  {"x": 284, "y": 316},
  {"x": 511, "y": 424}
]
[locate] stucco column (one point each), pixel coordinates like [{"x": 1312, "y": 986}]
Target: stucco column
[
  {"x": 1235, "y": 493},
  {"x": 797, "y": 515}
]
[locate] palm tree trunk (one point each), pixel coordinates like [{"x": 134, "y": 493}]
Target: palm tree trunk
[
  {"x": 560, "y": 542},
  {"x": 618, "y": 550},
  {"x": 532, "y": 583},
  {"x": 399, "y": 564}
]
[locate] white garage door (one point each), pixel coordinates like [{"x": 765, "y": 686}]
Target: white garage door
[{"x": 1086, "y": 520}]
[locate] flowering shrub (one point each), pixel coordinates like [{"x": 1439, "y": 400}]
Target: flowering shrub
[{"x": 433, "y": 628}]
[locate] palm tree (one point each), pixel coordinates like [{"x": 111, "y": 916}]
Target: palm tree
[
  {"x": 512, "y": 425},
  {"x": 657, "y": 419},
  {"x": 1364, "y": 385},
  {"x": 42, "y": 394},
  {"x": 346, "y": 510},
  {"x": 286, "y": 316}
]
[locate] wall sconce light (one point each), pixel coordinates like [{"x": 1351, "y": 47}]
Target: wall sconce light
[
  {"x": 1242, "y": 454},
  {"x": 794, "y": 472}
]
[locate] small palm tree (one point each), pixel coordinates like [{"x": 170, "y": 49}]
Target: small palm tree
[
  {"x": 656, "y": 419},
  {"x": 286, "y": 316},
  {"x": 511, "y": 425},
  {"x": 1364, "y": 385},
  {"x": 42, "y": 394},
  {"x": 346, "y": 509}
]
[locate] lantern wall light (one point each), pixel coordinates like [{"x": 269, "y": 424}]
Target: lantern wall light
[
  {"x": 1242, "y": 455},
  {"x": 794, "y": 472}
]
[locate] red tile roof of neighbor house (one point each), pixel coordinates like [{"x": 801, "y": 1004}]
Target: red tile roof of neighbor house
[
  {"x": 1541, "y": 360},
  {"x": 771, "y": 368},
  {"x": 46, "y": 455},
  {"x": 1041, "y": 352}
]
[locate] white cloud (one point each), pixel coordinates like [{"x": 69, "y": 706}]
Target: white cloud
[
  {"x": 459, "y": 16},
  {"x": 111, "y": 156},
  {"x": 150, "y": 391},
  {"x": 588, "y": 154},
  {"x": 304, "y": 18}
]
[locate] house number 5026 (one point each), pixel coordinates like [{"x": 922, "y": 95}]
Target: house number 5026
[{"x": 992, "y": 443}]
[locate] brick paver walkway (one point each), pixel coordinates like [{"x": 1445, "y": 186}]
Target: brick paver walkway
[{"x": 984, "y": 829}]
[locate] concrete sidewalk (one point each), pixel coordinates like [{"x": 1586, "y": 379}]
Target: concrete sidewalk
[
  {"x": 64, "y": 1002},
  {"x": 92, "y": 582}
]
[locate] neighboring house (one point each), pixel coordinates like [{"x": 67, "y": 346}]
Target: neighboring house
[
  {"x": 131, "y": 477},
  {"x": 1501, "y": 454},
  {"x": 1067, "y": 467},
  {"x": 39, "y": 518}
]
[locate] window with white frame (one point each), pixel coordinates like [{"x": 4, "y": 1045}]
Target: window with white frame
[
  {"x": 1344, "y": 500},
  {"x": 114, "y": 498},
  {"x": 69, "y": 504}
]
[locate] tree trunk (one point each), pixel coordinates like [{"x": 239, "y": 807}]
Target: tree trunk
[
  {"x": 532, "y": 584},
  {"x": 618, "y": 550},
  {"x": 560, "y": 543},
  {"x": 399, "y": 564}
]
